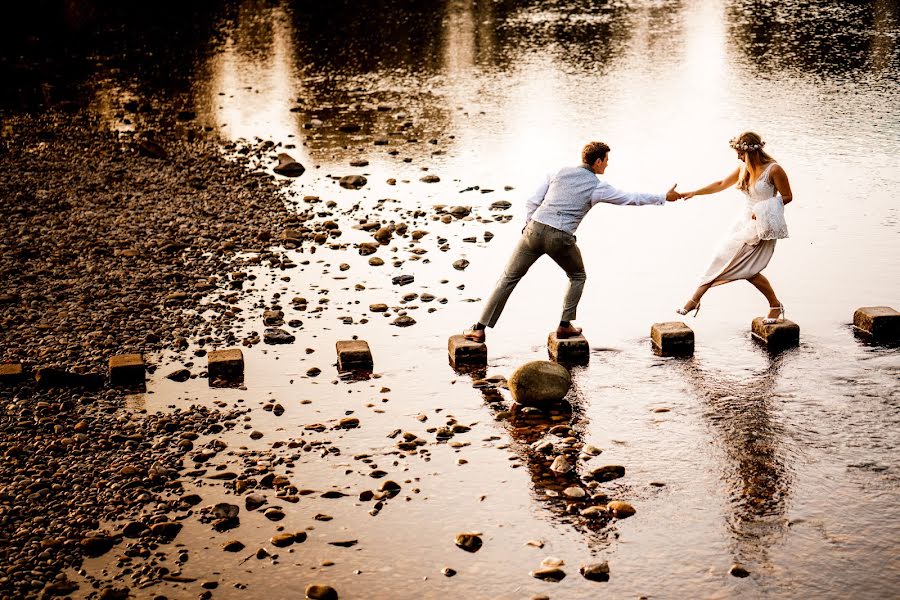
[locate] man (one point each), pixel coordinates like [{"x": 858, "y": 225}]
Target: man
[{"x": 553, "y": 215}]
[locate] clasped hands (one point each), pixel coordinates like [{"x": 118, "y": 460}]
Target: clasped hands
[{"x": 672, "y": 195}]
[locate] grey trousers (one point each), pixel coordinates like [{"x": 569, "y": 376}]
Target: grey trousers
[{"x": 539, "y": 239}]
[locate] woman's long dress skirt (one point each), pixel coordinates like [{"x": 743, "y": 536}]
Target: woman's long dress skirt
[{"x": 738, "y": 260}]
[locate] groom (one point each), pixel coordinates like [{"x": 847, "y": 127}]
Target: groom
[{"x": 553, "y": 215}]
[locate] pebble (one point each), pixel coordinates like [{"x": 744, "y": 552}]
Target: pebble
[
  {"x": 596, "y": 571},
  {"x": 738, "y": 570},
  {"x": 318, "y": 591},
  {"x": 470, "y": 542},
  {"x": 554, "y": 574},
  {"x": 620, "y": 510}
]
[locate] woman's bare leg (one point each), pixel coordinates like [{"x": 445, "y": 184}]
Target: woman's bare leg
[
  {"x": 760, "y": 282},
  {"x": 695, "y": 299}
]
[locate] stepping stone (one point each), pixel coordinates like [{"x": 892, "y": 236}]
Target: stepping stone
[
  {"x": 573, "y": 350},
  {"x": 777, "y": 336},
  {"x": 225, "y": 364},
  {"x": 354, "y": 355},
  {"x": 880, "y": 323},
  {"x": 126, "y": 369},
  {"x": 673, "y": 338},
  {"x": 11, "y": 372},
  {"x": 465, "y": 352},
  {"x": 60, "y": 378}
]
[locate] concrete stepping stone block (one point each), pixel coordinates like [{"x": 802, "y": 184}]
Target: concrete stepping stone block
[
  {"x": 672, "y": 338},
  {"x": 777, "y": 336},
  {"x": 573, "y": 350},
  {"x": 126, "y": 369},
  {"x": 225, "y": 364},
  {"x": 465, "y": 352},
  {"x": 880, "y": 323},
  {"x": 55, "y": 377},
  {"x": 11, "y": 372},
  {"x": 354, "y": 355}
]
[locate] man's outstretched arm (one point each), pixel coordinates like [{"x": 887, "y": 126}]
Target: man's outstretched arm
[{"x": 604, "y": 192}]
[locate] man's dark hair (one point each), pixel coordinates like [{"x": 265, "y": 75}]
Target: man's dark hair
[{"x": 592, "y": 151}]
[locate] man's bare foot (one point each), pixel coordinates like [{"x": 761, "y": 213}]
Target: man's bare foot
[{"x": 567, "y": 332}]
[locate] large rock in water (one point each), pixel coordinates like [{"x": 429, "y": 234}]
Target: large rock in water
[{"x": 539, "y": 382}]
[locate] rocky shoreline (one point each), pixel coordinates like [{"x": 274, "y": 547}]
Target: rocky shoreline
[{"x": 109, "y": 243}]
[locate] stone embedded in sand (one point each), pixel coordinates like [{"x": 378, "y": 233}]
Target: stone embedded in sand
[
  {"x": 549, "y": 574},
  {"x": 620, "y": 510},
  {"x": 96, "y": 545},
  {"x": 460, "y": 211},
  {"x": 282, "y": 540},
  {"x": 273, "y": 317},
  {"x": 166, "y": 529},
  {"x": 595, "y": 572},
  {"x": 225, "y": 364},
  {"x": 224, "y": 510},
  {"x": 880, "y": 323},
  {"x": 470, "y": 542},
  {"x": 359, "y": 162},
  {"x": 353, "y": 182},
  {"x": 367, "y": 248},
  {"x": 607, "y": 473},
  {"x": 179, "y": 375},
  {"x": 378, "y": 308},
  {"x": 383, "y": 235},
  {"x": 561, "y": 465},
  {"x": 500, "y": 205},
  {"x": 418, "y": 234},
  {"x": 738, "y": 570},
  {"x": 403, "y": 321},
  {"x": 354, "y": 355},
  {"x": 233, "y": 546},
  {"x": 539, "y": 382},
  {"x": 273, "y": 335},
  {"x": 321, "y": 592},
  {"x": 288, "y": 167},
  {"x": 430, "y": 179},
  {"x": 376, "y": 261},
  {"x": 673, "y": 338},
  {"x": 403, "y": 279},
  {"x": 461, "y": 264}
]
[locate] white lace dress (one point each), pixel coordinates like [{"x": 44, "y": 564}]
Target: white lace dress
[{"x": 742, "y": 254}]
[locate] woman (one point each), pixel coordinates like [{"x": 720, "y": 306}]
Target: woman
[{"x": 749, "y": 246}]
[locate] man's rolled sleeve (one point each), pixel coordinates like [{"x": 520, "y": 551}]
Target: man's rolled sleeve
[{"x": 604, "y": 192}]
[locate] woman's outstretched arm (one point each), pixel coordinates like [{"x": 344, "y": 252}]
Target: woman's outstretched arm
[
  {"x": 716, "y": 186},
  {"x": 782, "y": 185}
]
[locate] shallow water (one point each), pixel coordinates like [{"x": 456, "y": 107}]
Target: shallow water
[{"x": 787, "y": 464}]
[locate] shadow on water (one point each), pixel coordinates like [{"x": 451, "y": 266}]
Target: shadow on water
[{"x": 744, "y": 422}]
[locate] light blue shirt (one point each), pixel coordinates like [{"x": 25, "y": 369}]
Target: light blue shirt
[{"x": 564, "y": 199}]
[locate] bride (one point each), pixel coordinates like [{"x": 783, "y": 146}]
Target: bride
[{"x": 746, "y": 251}]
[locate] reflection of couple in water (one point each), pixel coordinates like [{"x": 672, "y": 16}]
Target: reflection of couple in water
[{"x": 563, "y": 200}]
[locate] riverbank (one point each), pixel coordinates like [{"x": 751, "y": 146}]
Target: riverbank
[{"x": 108, "y": 245}]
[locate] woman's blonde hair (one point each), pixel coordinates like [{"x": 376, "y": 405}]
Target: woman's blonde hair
[{"x": 750, "y": 143}]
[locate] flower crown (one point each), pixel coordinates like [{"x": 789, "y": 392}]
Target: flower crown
[{"x": 744, "y": 146}]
